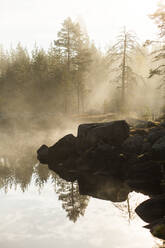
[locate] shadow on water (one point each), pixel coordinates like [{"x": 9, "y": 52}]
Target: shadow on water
[
  {"x": 19, "y": 168},
  {"x": 21, "y": 172}
]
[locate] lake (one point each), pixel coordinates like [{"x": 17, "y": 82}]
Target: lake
[{"x": 39, "y": 209}]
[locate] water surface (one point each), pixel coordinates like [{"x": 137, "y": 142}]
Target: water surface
[{"x": 38, "y": 209}]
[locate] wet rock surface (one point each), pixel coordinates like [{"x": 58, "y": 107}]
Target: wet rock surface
[{"x": 111, "y": 159}]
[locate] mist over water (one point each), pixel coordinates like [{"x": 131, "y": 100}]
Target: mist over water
[
  {"x": 36, "y": 204},
  {"x": 47, "y": 94}
]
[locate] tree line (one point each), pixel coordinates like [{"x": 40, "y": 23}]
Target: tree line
[
  {"x": 73, "y": 76},
  {"x": 53, "y": 80}
]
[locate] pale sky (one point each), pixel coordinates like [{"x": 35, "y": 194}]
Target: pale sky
[{"x": 30, "y": 21}]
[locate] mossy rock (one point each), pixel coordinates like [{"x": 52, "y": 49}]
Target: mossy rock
[{"x": 159, "y": 231}]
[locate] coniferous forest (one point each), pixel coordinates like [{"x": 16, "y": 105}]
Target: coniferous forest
[
  {"x": 74, "y": 77},
  {"x": 46, "y": 94}
]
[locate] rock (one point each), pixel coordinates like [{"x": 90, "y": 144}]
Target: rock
[
  {"x": 159, "y": 231},
  {"x": 69, "y": 176},
  {"x": 145, "y": 187},
  {"x": 108, "y": 162},
  {"x": 101, "y": 157},
  {"x": 133, "y": 144},
  {"x": 162, "y": 123},
  {"x": 152, "y": 209},
  {"x": 145, "y": 176},
  {"x": 83, "y": 129},
  {"x": 139, "y": 131},
  {"x": 136, "y": 123},
  {"x": 155, "y": 222},
  {"x": 113, "y": 133},
  {"x": 155, "y": 134},
  {"x": 146, "y": 147},
  {"x": 159, "y": 149},
  {"x": 148, "y": 171},
  {"x": 63, "y": 149},
  {"x": 42, "y": 154},
  {"x": 151, "y": 124},
  {"x": 157, "y": 228},
  {"x": 62, "y": 157}
]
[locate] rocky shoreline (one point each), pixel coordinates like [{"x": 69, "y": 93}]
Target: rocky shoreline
[{"x": 111, "y": 159}]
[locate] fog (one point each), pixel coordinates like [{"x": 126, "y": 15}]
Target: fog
[{"x": 47, "y": 94}]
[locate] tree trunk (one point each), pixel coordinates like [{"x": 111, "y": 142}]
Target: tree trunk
[
  {"x": 123, "y": 75},
  {"x": 78, "y": 96}
]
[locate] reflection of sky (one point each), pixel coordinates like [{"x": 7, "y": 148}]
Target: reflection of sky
[{"x": 37, "y": 220}]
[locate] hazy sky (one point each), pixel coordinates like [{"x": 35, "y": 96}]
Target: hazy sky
[{"x": 30, "y": 21}]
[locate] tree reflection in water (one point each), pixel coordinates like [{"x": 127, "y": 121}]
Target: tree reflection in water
[
  {"x": 25, "y": 170},
  {"x": 73, "y": 203},
  {"x": 12, "y": 174}
]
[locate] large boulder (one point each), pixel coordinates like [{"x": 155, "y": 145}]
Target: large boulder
[
  {"x": 61, "y": 157},
  {"x": 159, "y": 148},
  {"x": 113, "y": 133},
  {"x": 146, "y": 147},
  {"x": 133, "y": 144},
  {"x": 154, "y": 134},
  {"x": 152, "y": 209},
  {"x": 42, "y": 154},
  {"x": 157, "y": 228},
  {"x": 63, "y": 149},
  {"x": 101, "y": 156}
]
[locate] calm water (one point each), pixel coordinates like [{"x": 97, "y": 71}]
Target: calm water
[{"x": 38, "y": 209}]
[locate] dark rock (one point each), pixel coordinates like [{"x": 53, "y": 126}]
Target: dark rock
[
  {"x": 148, "y": 171},
  {"x": 145, "y": 187},
  {"x": 155, "y": 222},
  {"x": 101, "y": 157},
  {"x": 136, "y": 123},
  {"x": 152, "y": 209},
  {"x": 42, "y": 154},
  {"x": 114, "y": 133},
  {"x": 162, "y": 124},
  {"x": 63, "y": 149},
  {"x": 157, "y": 228},
  {"x": 159, "y": 149},
  {"x": 69, "y": 176},
  {"x": 62, "y": 157},
  {"x": 151, "y": 124},
  {"x": 146, "y": 147},
  {"x": 133, "y": 144},
  {"x": 139, "y": 131},
  {"x": 155, "y": 134},
  {"x": 159, "y": 231}
]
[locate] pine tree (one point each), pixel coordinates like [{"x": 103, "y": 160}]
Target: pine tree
[
  {"x": 120, "y": 64},
  {"x": 73, "y": 45}
]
